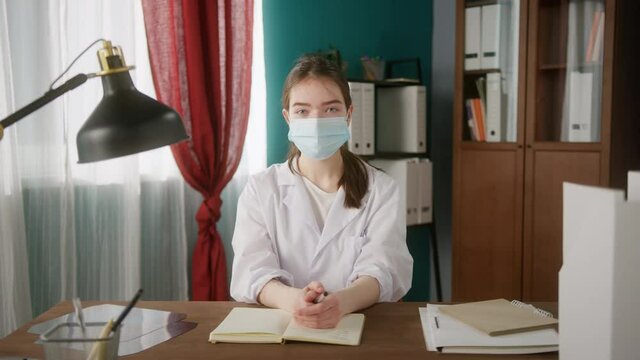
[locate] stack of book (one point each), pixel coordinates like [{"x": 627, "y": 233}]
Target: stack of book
[
  {"x": 485, "y": 114},
  {"x": 489, "y": 327}
]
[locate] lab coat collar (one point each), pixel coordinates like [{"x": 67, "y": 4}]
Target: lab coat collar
[
  {"x": 295, "y": 196},
  {"x": 338, "y": 217}
]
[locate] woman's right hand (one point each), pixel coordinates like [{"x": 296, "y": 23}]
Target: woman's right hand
[{"x": 308, "y": 295}]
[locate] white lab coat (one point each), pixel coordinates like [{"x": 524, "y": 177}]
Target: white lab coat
[{"x": 277, "y": 236}]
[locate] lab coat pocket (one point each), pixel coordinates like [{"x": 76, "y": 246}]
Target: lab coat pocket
[{"x": 350, "y": 249}]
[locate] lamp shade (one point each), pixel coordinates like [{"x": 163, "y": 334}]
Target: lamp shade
[{"x": 126, "y": 122}]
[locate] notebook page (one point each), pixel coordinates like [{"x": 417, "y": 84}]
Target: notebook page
[
  {"x": 347, "y": 332},
  {"x": 253, "y": 321}
]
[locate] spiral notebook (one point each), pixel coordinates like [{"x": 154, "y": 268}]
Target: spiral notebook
[{"x": 500, "y": 316}]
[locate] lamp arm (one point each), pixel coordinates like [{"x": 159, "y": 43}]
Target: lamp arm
[{"x": 49, "y": 96}]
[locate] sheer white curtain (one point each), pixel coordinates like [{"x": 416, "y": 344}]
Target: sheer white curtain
[
  {"x": 99, "y": 230},
  {"x": 15, "y": 300},
  {"x": 254, "y": 154}
]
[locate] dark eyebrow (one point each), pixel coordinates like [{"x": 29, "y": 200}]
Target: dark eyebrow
[
  {"x": 300, "y": 104},
  {"x": 336, "y": 101}
]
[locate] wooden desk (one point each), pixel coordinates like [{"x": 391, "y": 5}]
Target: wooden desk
[{"x": 391, "y": 331}]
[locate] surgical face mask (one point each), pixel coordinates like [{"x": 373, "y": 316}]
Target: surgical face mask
[{"x": 319, "y": 138}]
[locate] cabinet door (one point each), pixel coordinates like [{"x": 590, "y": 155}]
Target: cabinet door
[
  {"x": 567, "y": 46},
  {"x": 487, "y": 235},
  {"x": 546, "y": 171},
  {"x": 490, "y": 71},
  {"x": 488, "y": 168},
  {"x": 567, "y": 124}
]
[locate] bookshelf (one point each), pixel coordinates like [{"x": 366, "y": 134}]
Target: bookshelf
[
  {"x": 563, "y": 63},
  {"x": 379, "y": 154}
]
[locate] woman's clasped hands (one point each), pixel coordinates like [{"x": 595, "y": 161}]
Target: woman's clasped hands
[{"x": 317, "y": 309}]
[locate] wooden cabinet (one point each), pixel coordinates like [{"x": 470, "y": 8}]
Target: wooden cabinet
[{"x": 561, "y": 74}]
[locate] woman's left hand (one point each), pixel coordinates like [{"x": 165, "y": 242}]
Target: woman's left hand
[{"x": 323, "y": 315}]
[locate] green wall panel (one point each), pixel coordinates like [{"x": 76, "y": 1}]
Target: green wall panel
[{"x": 392, "y": 29}]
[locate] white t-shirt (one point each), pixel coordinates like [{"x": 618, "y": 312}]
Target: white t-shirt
[{"x": 320, "y": 201}]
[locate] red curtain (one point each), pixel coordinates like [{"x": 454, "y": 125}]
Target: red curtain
[{"x": 200, "y": 52}]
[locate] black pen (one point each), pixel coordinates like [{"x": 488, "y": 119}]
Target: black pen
[
  {"x": 126, "y": 310},
  {"x": 320, "y": 297},
  {"x": 437, "y": 325}
]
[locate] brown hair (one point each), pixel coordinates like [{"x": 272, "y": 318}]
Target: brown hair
[{"x": 355, "y": 177}]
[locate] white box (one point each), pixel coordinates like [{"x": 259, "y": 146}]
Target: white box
[
  {"x": 402, "y": 119},
  {"x": 599, "y": 291},
  {"x": 405, "y": 173}
]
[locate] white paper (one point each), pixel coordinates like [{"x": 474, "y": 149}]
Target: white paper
[{"x": 453, "y": 333}]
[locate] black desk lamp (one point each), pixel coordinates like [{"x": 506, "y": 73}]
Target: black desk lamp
[{"x": 124, "y": 122}]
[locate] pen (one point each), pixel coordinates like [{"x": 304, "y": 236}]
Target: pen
[
  {"x": 78, "y": 309},
  {"x": 437, "y": 325},
  {"x": 125, "y": 312},
  {"x": 320, "y": 297}
]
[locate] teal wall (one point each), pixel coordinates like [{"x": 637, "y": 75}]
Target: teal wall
[{"x": 392, "y": 29}]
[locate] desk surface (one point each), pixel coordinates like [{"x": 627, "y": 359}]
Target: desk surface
[{"x": 391, "y": 330}]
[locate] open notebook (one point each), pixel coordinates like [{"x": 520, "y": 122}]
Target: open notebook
[{"x": 254, "y": 325}]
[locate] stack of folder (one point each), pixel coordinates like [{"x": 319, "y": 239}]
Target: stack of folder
[{"x": 489, "y": 327}]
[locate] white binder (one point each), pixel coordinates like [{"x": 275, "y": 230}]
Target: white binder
[
  {"x": 425, "y": 191},
  {"x": 472, "y": 38},
  {"x": 402, "y": 119},
  {"x": 580, "y": 117},
  {"x": 368, "y": 104},
  {"x": 355, "y": 142},
  {"x": 633, "y": 186},
  {"x": 490, "y": 42},
  {"x": 494, "y": 109},
  {"x": 405, "y": 173},
  {"x": 413, "y": 198}
]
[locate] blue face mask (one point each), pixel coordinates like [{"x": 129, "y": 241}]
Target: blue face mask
[{"x": 319, "y": 138}]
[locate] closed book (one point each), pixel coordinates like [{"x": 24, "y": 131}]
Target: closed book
[
  {"x": 499, "y": 316},
  {"x": 445, "y": 334},
  {"x": 478, "y": 117}
]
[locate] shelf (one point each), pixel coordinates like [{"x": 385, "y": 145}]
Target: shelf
[
  {"x": 389, "y": 83},
  {"x": 481, "y": 71},
  {"x": 477, "y": 145},
  {"x": 474, "y": 3},
  {"x": 583, "y": 67},
  {"x": 390, "y": 155},
  {"x": 565, "y": 146},
  {"x": 552, "y": 67}
]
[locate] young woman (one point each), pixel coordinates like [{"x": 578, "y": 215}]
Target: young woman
[{"x": 322, "y": 235}]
